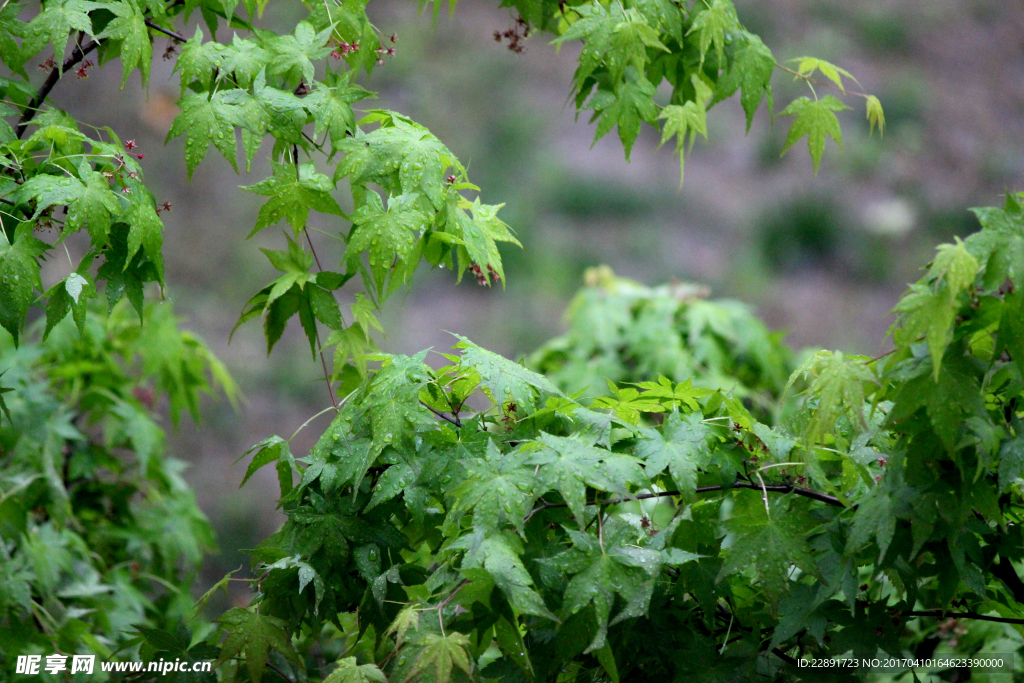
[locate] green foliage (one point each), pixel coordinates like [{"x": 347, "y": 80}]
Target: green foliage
[
  {"x": 622, "y": 331},
  {"x": 99, "y": 534},
  {"x": 644, "y": 499}
]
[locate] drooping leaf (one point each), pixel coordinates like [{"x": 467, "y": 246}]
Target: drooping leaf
[{"x": 815, "y": 119}]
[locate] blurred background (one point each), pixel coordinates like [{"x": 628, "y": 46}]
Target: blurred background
[{"x": 824, "y": 258}]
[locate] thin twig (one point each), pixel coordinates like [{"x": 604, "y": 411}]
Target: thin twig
[
  {"x": 774, "y": 488},
  {"x": 32, "y": 109},
  {"x": 440, "y": 414},
  {"x": 177, "y": 36},
  {"x": 962, "y": 615},
  {"x": 320, "y": 347}
]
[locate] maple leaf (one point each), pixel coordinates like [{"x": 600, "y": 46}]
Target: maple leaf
[
  {"x": 478, "y": 239},
  {"x": 350, "y": 672},
  {"x": 55, "y": 23},
  {"x": 568, "y": 466},
  {"x": 292, "y": 194},
  {"x": 199, "y": 61},
  {"x": 681, "y": 447},
  {"x": 204, "y": 120},
  {"x": 387, "y": 235},
  {"x": 331, "y": 107},
  {"x": 688, "y": 118},
  {"x": 808, "y": 65},
  {"x": 129, "y": 27},
  {"x": 628, "y": 106},
  {"x": 421, "y": 159},
  {"x": 443, "y": 652},
  {"x": 875, "y": 115},
  {"x": 600, "y": 570},
  {"x": 838, "y": 384},
  {"x": 254, "y": 635},
  {"x": 627, "y": 403},
  {"x": 751, "y": 70},
  {"x": 499, "y": 490},
  {"x": 293, "y": 56},
  {"x": 772, "y": 543},
  {"x": 497, "y": 556},
  {"x": 19, "y": 276},
  {"x": 683, "y": 393},
  {"x": 243, "y": 60},
  {"x": 90, "y": 202},
  {"x": 815, "y": 119},
  {"x": 713, "y": 22},
  {"x": 504, "y": 381}
]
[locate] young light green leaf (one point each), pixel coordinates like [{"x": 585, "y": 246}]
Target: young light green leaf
[{"x": 815, "y": 119}]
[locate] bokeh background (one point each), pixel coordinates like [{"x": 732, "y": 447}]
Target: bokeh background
[{"x": 824, "y": 257}]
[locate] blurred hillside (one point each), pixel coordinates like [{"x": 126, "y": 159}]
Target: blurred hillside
[{"x": 824, "y": 257}]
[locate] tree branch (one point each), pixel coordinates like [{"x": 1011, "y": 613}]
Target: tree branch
[
  {"x": 32, "y": 109},
  {"x": 177, "y": 36},
  {"x": 774, "y": 488},
  {"x": 440, "y": 414},
  {"x": 962, "y": 615}
]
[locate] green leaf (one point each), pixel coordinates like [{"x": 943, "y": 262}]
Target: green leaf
[
  {"x": 601, "y": 570},
  {"x": 479, "y": 237},
  {"x": 331, "y": 107},
  {"x": 443, "y": 653},
  {"x": 145, "y": 231},
  {"x": 875, "y": 115},
  {"x": 771, "y": 542},
  {"x": 837, "y": 383},
  {"x": 19, "y": 276},
  {"x": 206, "y": 120},
  {"x": 713, "y": 23},
  {"x": 504, "y": 381},
  {"x": 55, "y": 23},
  {"x": 292, "y": 194},
  {"x": 815, "y": 119},
  {"x": 627, "y": 403},
  {"x": 498, "y": 554},
  {"x": 293, "y": 56},
  {"x": 499, "y": 490},
  {"x": 568, "y": 466},
  {"x": 751, "y": 70},
  {"x": 271, "y": 449},
  {"x": 387, "y": 235},
  {"x": 350, "y": 672},
  {"x": 681, "y": 447},
  {"x": 243, "y": 60},
  {"x": 199, "y": 61},
  {"x": 631, "y": 103},
  {"x": 808, "y": 65},
  {"x": 129, "y": 27},
  {"x": 254, "y": 635},
  {"x": 689, "y": 118},
  {"x": 682, "y": 394}
]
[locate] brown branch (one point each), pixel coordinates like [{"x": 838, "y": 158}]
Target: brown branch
[
  {"x": 32, "y": 109},
  {"x": 962, "y": 615},
  {"x": 171, "y": 34},
  {"x": 440, "y": 414},
  {"x": 774, "y": 488}
]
